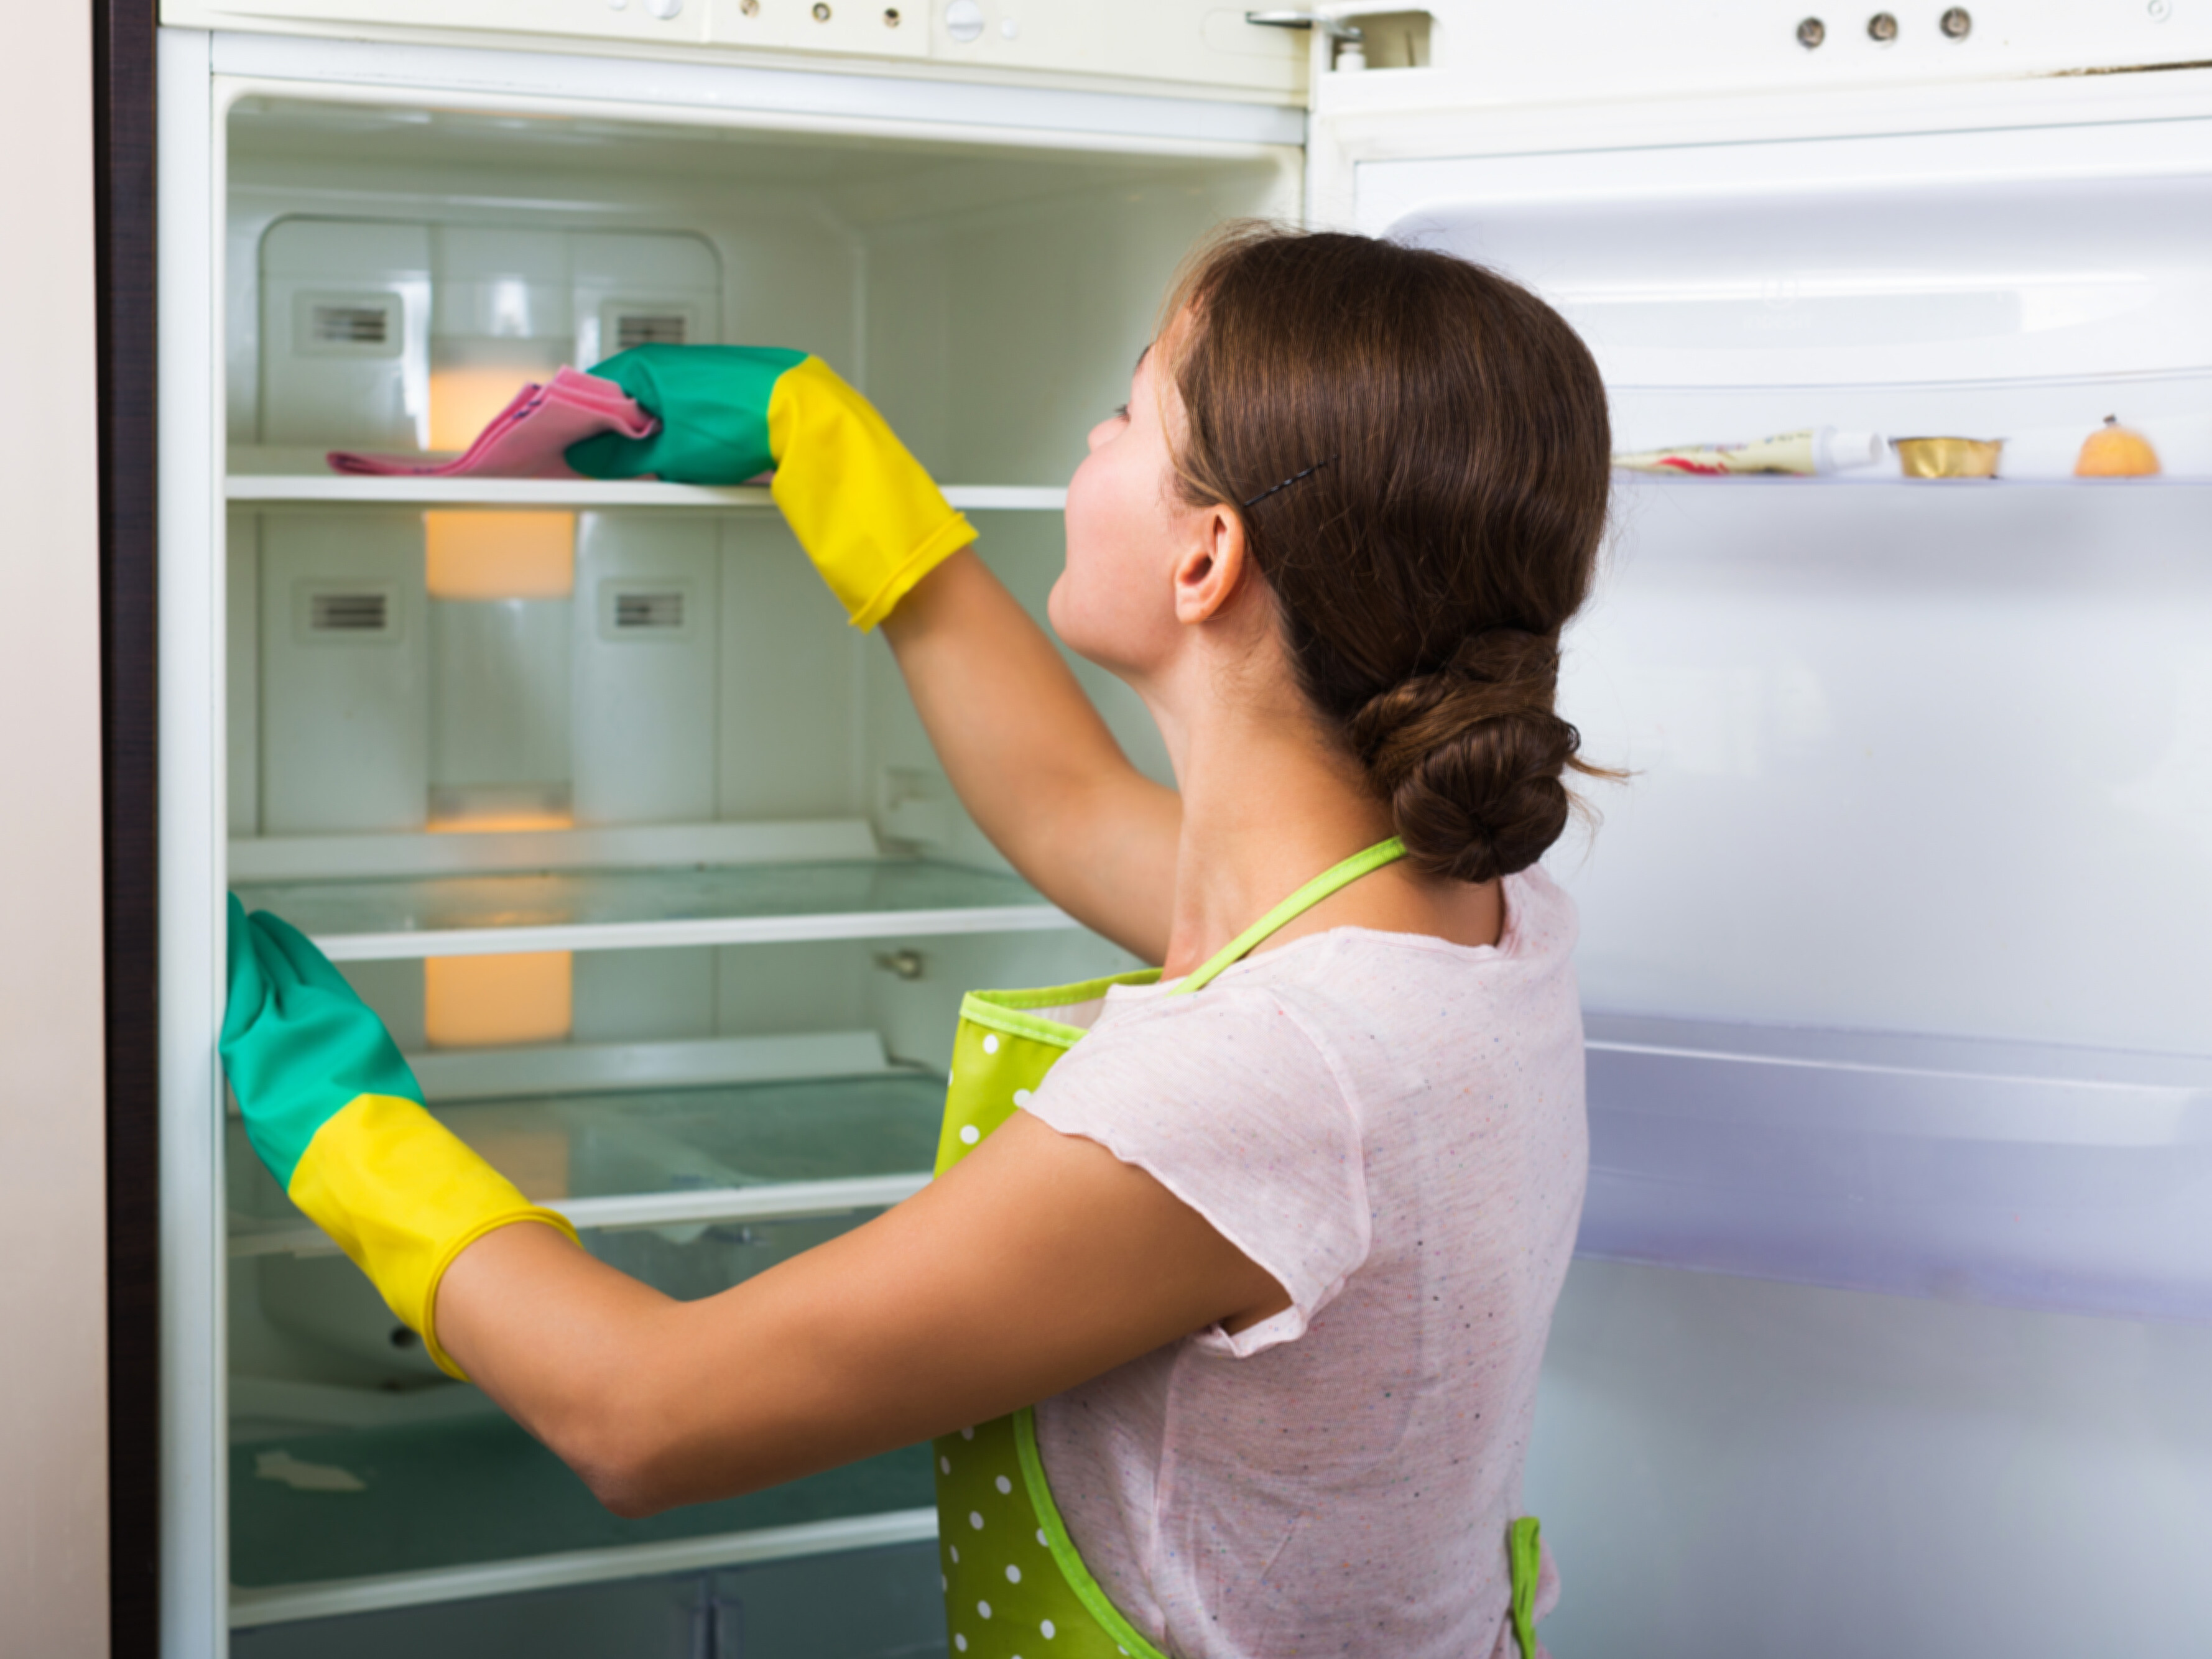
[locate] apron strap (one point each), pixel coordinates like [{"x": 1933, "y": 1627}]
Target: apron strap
[{"x": 1329, "y": 881}]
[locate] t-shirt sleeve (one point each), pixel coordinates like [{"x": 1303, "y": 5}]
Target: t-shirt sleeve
[{"x": 1227, "y": 1103}]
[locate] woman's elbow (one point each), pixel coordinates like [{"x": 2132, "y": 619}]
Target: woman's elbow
[{"x": 628, "y": 1464}]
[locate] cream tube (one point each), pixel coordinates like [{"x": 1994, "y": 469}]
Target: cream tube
[{"x": 1819, "y": 450}]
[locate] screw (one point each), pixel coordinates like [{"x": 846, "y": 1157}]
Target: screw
[
  {"x": 750, "y": 8},
  {"x": 890, "y": 17},
  {"x": 820, "y": 11},
  {"x": 402, "y": 1338},
  {"x": 906, "y": 964},
  {"x": 1958, "y": 23},
  {"x": 2160, "y": 10},
  {"x": 1882, "y": 26},
  {"x": 1811, "y": 33}
]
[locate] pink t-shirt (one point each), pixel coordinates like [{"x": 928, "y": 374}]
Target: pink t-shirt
[{"x": 1392, "y": 1126}]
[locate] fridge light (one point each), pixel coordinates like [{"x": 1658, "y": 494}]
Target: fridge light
[
  {"x": 483, "y": 1002},
  {"x": 499, "y": 556}
]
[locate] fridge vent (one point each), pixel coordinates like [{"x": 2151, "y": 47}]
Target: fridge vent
[
  {"x": 342, "y": 325},
  {"x": 635, "y": 612},
  {"x": 349, "y": 613},
  {"x": 651, "y": 328}
]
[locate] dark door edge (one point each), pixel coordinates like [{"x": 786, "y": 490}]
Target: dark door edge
[{"x": 124, "y": 158}]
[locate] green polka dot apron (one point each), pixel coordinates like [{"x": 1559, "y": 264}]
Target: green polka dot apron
[{"x": 1015, "y": 1587}]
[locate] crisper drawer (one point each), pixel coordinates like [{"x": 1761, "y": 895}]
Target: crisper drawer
[{"x": 862, "y": 1604}]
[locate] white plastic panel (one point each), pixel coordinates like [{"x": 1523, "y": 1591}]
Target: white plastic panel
[
  {"x": 1727, "y": 1468},
  {"x": 500, "y": 684},
  {"x": 345, "y": 681},
  {"x": 345, "y": 314},
  {"x": 1176, "y": 43},
  {"x": 1893, "y": 262},
  {"x": 646, "y": 620},
  {"x": 1486, "y": 56},
  {"x": 1930, "y": 757},
  {"x": 632, "y": 290}
]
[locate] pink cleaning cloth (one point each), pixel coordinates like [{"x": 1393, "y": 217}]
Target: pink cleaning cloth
[{"x": 529, "y": 439}]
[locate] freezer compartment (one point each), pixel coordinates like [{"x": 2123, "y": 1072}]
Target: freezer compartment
[
  {"x": 2022, "y": 1175},
  {"x": 859, "y": 1604}
]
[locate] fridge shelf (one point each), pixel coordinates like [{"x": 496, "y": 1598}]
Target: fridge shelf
[
  {"x": 398, "y": 919},
  {"x": 2021, "y": 1175},
  {"x": 283, "y": 477},
  {"x": 681, "y": 1154},
  {"x": 1757, "y": 480},
  {"x": 290, "y": 1603},
  {"x": 340, "y": 1521}
]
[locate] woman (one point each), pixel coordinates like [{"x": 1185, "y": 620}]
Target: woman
[{"x": 1275, "y": 1246}]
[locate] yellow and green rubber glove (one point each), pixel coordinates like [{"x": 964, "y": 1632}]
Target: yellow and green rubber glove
[
  {"x": 337, "y": 1115},
  {"x": 863, "y": 509}
]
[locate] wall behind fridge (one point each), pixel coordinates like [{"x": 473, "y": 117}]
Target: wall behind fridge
[{"x": 53, "y": 1258}]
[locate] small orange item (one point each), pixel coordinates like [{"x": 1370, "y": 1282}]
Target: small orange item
[{"x": 2113, "y": 450}]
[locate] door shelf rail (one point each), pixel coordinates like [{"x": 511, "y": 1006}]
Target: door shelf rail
[
  {"x": 2015, "y": 1174},
  {"x": 331, "y": 1599}
]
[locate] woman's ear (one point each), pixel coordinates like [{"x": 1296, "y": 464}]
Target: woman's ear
[{"x": 1214, "y": 567}]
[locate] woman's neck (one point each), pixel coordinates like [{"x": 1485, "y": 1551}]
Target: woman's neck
[{"x": 1269, "y": 803}]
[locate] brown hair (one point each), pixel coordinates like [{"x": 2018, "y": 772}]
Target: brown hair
[{"x": 1419, "y": 450}]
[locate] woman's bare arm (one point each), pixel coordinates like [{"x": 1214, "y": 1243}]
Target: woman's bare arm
[
  {"x": 1040, "y": 1261},
  {"x": 1031, "y": 759}
]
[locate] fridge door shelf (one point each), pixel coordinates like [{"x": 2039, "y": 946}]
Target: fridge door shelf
[
  {"x": 2015, "y": 1174},
  {"x": 395, "y": 919},
  {"x": 1860, "y": 481},
  {"x": 646, "y": 1135},
  {"x": 296, "y": 477}
]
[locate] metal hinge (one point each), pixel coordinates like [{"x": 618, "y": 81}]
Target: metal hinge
[{"x": 1336, "y": 27}]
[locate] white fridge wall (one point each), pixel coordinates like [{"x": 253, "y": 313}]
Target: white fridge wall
[{"x": 1920, "y": 758}]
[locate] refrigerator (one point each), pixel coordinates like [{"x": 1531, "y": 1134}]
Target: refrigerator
[{"x": 1887, "y": 1331}]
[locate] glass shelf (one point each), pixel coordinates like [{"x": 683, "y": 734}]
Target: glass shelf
[
  {"x": 290, "y": 476},
  {"x": 421, "y": 1497},
  {"x": 388, "y": 919},
  {"x": 1876, "y": 481},
  {"x": 790, "y": 1147}
]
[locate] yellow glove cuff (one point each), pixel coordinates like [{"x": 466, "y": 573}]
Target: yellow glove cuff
[
  {"x": 402, "y": 1196},
  {"x": 873, "y": 521}
]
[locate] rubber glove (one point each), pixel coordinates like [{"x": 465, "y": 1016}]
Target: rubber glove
[
  {"x": 337, "y": 1116},
  {"x": 862, "y": 508}
]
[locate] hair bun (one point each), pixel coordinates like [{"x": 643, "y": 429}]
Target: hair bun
[{"x": 1471, "y": 757}]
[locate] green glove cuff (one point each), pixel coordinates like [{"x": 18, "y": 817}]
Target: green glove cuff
[{"x": 861, "y": 506}]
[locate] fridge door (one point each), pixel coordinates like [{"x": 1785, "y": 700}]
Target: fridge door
[
  {"x": 1908, "y": 756},
  {"x": 1896, "y": 941}
]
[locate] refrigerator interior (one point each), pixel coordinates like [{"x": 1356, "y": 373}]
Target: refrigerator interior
[
  {"x": 1896, "y": 944},
  {"x": 637, "y": 847}
]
